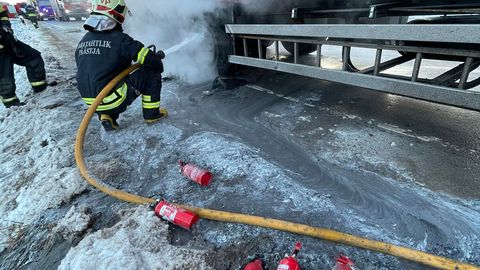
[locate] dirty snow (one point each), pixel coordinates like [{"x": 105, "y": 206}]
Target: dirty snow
[
  {"x": 139, "y": 241},
  {"x": 76, "y": 221}
]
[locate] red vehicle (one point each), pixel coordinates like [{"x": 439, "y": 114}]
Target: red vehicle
[
  {"x": 20, "y": 7},
  {"x": 77, "y": 9},
  {"x": 12, "y": 13}
]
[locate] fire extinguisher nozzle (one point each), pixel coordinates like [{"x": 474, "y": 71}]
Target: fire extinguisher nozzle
[{"x": 206, "y": 179}]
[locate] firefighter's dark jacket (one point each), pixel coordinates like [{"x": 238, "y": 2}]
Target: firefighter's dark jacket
[
  {"x": 7, "y": 40},
  {"x": 31, "y": 11},
  {"x": 4, "y": 18},
  {"x": 101, "y": 56}
]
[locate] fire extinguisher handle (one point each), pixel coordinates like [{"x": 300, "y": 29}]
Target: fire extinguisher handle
[
  {"x": 297, "y": 248},
  {"x": 182, "y": 163},
  {"x": 154, "y": 205}
]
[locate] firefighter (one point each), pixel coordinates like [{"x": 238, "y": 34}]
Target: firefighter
[
  {"x": 32, "y": 15},
  {"x": 13, "y": 52},
  {"x": 104, "y": 52}
]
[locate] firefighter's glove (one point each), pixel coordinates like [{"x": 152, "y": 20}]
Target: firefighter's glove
[
  {"x": 7, "y": 29},
  {"x": 6, "y": 38},
  {"x": 154, "y": 60}
]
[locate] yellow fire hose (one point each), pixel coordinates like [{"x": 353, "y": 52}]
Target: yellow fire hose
[{"x": 321, "y": 233}]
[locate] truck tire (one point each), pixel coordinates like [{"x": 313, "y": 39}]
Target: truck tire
[
  {"x": 252, "y": 46},
  {"x": 223, "y": 48},
  {"x": 303, "y": 49}
]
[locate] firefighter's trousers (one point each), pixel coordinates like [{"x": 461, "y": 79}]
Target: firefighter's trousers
[
  {"x": 146, "y": 82},
  {"x": 26, "y": 56},
  {"x": 34, "y": 19}
]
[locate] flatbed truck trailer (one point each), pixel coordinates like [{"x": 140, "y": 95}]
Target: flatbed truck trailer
[{"x": 443, "y": 30}]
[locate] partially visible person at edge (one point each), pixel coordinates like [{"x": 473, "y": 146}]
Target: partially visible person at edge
[
  {"x": 32, "y": 15},
  {"x": 104, "y": 52},
  {"x": 13, "y": 51}
]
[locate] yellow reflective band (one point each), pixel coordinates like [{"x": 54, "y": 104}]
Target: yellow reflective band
[
  {"x": 152, "y": 105},
  {"x": 89, "y": 101},
  {"x": 142, "y": 55},
  {"x": 7, "y": 100},
  {"x": 112, "y": 101},
  {"x": 146, "y": 98},
  {"x": 4, "y": 19},
  {"x": 32, "y": 15},
  {"x": 38, "y": 83}
]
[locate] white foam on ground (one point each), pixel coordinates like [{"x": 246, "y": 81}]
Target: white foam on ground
[{"x": 139, "y": 241}]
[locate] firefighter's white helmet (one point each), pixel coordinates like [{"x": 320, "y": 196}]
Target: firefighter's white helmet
[{"x": 115, "y": 9}]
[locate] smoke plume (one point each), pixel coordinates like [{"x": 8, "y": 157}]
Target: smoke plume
[{"x": 170, "y": 23}]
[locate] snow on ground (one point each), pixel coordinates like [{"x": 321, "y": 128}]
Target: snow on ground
[
  {"x": 139, "y": 241},
  {"x": 76, "y": 222}
]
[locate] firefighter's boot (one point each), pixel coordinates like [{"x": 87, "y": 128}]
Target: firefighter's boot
[
  {"x": 12, "y": 102},
  {"x": 108, "y": 122},
  {"x": 39, "y": 87},
  {"x": 42, "y": 85},
  {"x": 162, "y": 113}
]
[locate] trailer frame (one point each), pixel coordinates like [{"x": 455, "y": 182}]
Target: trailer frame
[{"x": 452, "y": 87}]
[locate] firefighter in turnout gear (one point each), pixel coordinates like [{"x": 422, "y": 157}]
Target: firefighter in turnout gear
[
  {"x": 32, "y": 15},
  {"x": 104, "y": 52},
  {"x": 13, "y": 52}
]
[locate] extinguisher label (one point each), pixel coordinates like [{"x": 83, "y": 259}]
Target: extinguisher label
[
  {"x": 192, "y": 172},
  {"x": 168, "y": 213},
  {"x": 195, "y": 173},
  {"x": 283, "y": 267}
]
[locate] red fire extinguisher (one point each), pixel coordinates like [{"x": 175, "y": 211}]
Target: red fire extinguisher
[
  {"x": 290, "y": 262},
  {"x": 256, "y": 264},
  {"x": 176, "y": 215},
  {"x": 196, "y": 174}
]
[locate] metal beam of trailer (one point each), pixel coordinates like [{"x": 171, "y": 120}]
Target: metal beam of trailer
[
  {"x": 455, "y": 33},
  {"x": 440, "y": 94}
]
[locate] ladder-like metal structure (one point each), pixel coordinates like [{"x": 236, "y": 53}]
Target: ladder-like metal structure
[{"x": 449, "y": 42}]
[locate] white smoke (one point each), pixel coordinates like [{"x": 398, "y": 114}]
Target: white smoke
[{"x": 180, "y": 26}]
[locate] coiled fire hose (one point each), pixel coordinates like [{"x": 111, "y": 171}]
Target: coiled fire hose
[{"x": 281, "y": 225}]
